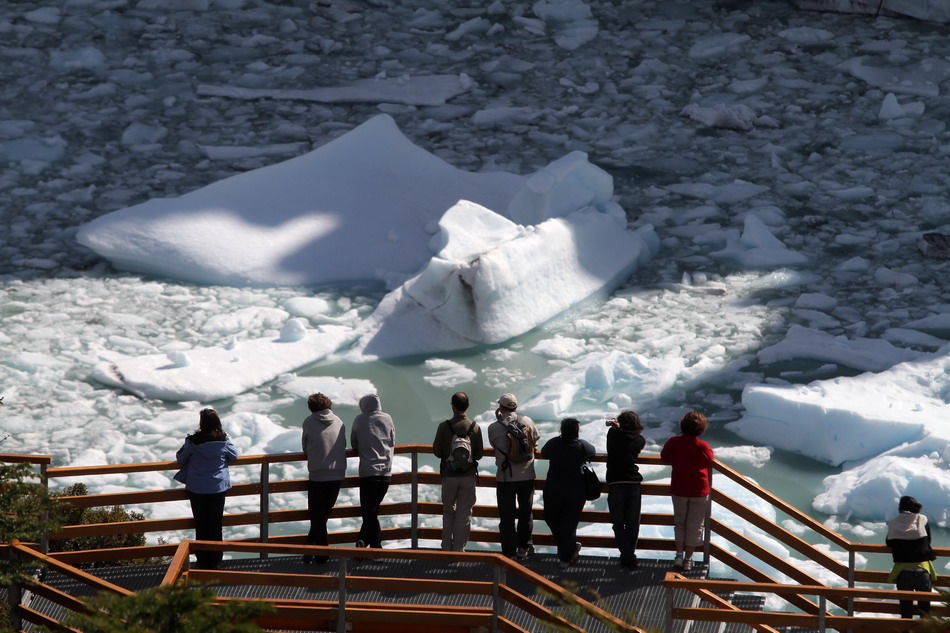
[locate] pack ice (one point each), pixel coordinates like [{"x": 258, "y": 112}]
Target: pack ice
[{"x": 889, "y": 429}]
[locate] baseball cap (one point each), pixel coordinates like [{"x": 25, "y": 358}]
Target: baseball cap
[{"x": 508, "y": 401}]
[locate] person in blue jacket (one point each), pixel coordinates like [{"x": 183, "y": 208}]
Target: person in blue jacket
[{"x": 204, "y": 459}]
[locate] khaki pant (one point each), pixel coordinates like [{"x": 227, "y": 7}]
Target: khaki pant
[
  {"x": 689, "y": 517},
  {"x": 458, "y": 498}
]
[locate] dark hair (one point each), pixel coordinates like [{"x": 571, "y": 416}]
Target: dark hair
[
  {"x": 460, "y": 401},
  {"x": 209, "y": 427},
  {"x": 693, "y": 423},
  {"x": 909, "y": 504},
  {"x": 630, "y": 420},
  {"x": 570, "y": 428},
  {"x": 318, "y": 402}
]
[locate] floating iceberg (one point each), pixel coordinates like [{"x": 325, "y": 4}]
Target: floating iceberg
[
  {"x": 848, "y": 419},
  {"x": 349, "y": 210},
  {"x": 493, "y": 279}
]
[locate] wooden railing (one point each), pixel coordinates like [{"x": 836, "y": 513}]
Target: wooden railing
[
  {"x": 876, "y": 601},
  {"x": 343, "y": 613},
  {"x": 264, "y": 518}
]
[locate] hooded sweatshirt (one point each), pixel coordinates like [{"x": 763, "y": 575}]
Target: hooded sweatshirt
[
  {"x": 373, "y": 437},
  {"x": 908, "y": 536},
  {"x": 324, "y": 441},
  {"x": 442, "y": 445},
  {"x": 206, "y": 465}
]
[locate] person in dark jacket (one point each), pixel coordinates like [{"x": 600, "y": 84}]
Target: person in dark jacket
[
  {"x": 564, "y": 488},
  {"x": 204, "y": 459},
  {"x": 323, "y": 438},
  {"x": 458, "y": 444},
  {"x": 690, "y": 485},
  {"x": 373, "y": 437},
  {"x": 908, "y": 536},
  {"x": 624, "y": 443}
]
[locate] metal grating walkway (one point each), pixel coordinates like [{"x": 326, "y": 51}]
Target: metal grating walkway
[{"x": 636, "y": 595}]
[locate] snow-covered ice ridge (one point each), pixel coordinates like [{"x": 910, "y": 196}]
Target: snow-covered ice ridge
[{"x": 827, "y": 130}]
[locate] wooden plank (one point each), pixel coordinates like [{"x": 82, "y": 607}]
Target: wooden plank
[
  {"x": 269, "y": 579},
  {"x": 777, "y": 562},
  {"x": 755, "y": 574},
  {"x": 77, "y": 557},
  {"x": 34, "y": 616},
  {"x": 417, "y": 585},
  {"x": 567, "y": 596},
  {"x": 68, "y": 570},
  {"x": 23, "y": 458},
  {"x": 776, "y": 618},
  {"x": 178, "y": 563},
  {"x": 534, "y": 609},
  {"x": 785, "y": 507},
  {"x": 781, "y": 534},
  {"x": 56, "y": 596},
  {"x": 673, "y": 579}
]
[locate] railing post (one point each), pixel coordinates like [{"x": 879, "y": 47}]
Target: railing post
[
  {"x": 341, "y": 599},
  {"x": 707, "y": 534},
  {"x": 851, "y": 565},
  {"x": 668, "y": 610},
  {"x": 497, "y": 604},
  {"x": 821, "y": 614},
  {"x": 265, "y": 503},
  {"x": 44, "y": 539},
  {"x": 414, "y": 504},
  {"x": 14, "y": 594}
]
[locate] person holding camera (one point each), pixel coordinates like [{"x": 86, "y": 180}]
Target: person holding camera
[{"x": 624, "y": 443}]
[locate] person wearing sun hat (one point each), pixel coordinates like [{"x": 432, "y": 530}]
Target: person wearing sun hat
[{"x": 514, "y": 438}]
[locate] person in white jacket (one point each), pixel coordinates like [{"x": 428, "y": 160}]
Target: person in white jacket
[
  {"x": 908, "y": 536},
  {"x": 323, "y": 438}
]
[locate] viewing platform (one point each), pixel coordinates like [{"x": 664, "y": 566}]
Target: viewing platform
[{"x": 411, "y": 588}]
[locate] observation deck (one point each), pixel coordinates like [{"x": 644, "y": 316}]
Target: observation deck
[{"x": 407, "y": 587}]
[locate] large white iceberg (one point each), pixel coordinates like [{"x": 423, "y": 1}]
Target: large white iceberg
[
  {"x": 349, "y": 210},
  {"x": 493, "y": 279},
  {"x": 848, "y": 419}
]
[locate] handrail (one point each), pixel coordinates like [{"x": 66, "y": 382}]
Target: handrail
[
  {"x": 176, "y": 568},
  {"x": 821, "y": 619},
  {"x": 264, "y": 488},
  {"x": 22, "y": 458}
]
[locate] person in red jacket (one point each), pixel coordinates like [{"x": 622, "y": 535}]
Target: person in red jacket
[{"x": 691, "y": 459}]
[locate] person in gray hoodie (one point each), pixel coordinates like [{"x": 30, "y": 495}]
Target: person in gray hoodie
[
  {"x": 373, "y": 437},
  {"x": 323, "y": 438},
  {"x": 458, "y": 443}
]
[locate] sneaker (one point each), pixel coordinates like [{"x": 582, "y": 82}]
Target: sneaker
[
  {"x": 521, "y": 554},
  {"x": 577, "y": 551},
  {"x": 687, "y": 564},
  {"x": 678, "y": 562},
  {"x": 529, "y": 550},
  {"x": 361, "y": 543}
]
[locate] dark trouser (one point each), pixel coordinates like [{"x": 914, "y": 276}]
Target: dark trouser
[
  {"x": 914, "y": 580},
  {"x": 372, "y": 491},
  {"x": 321, "y": 497},
  {"x": 562, "y": 513},
  {"x": 514, "y": 500},
  {"x": 624, "y": 503},
  {"x": 207, "y": 510}
]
